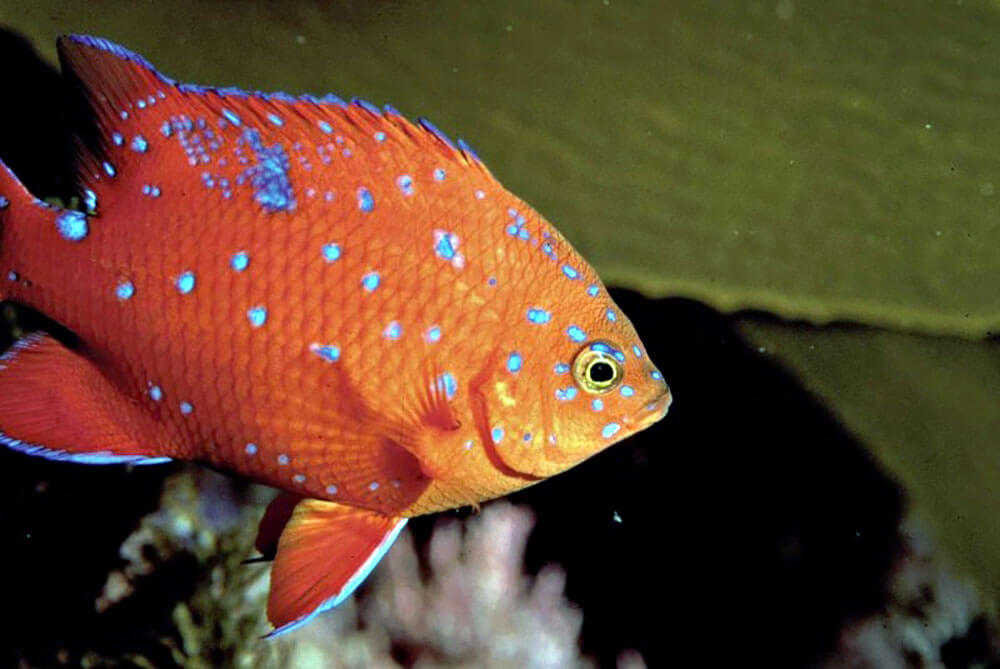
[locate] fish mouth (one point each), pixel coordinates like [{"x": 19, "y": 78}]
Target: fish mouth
[{"x": 653, "y": 410}]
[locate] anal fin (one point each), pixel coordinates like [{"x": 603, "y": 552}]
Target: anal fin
[
  {"x": 55, "y": 403},
  {"x": 324, "y": 554}
]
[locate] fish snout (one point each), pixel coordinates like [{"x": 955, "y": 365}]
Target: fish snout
[{"x": 653, "y": 410}]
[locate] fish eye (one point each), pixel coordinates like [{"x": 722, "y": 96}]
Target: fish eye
[{"x": 596, "y": 370}]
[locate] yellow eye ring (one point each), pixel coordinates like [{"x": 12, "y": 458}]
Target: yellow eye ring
[{"x": 596, "y": 370}]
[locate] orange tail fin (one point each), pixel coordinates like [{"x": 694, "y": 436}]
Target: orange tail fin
[{"x": 324, "y": 553}]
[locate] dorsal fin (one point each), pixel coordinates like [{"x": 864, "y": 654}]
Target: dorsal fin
[{"x": 124, "y": 92}]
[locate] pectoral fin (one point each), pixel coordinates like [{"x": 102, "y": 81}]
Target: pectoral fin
[{"x": 325, "y": 551}]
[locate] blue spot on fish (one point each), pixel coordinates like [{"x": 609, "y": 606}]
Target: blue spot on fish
[
  {"x": 89, "y": 199},
  {"x": 366, "y": 202},
  {"x": 269, "y": 176},
  {"x": 166, "y": 130},
  {"x": 155, "y": 393},
  {"x": 379, "y": 136},
  {"x": 124, "y": 290},
  {"x": 655, "y": 375},
  {"x": 283, "y": 459},
  {"x": 445, "y": 244},
  {"x": 448, "y": 384},
  {"x": 576, "y": 334},
  {"x": 570, "y": 272},
  {"x": 636, "y": 351},
  {"x": 109, "y": 169},
  {"x": 231, "y": 117},
  {"x": 539, "y": 316},
  {"x": 560, "y": 368},
  {"x": 393, "y": 331},
  {"x": 139, "y": 144},
  {"x": 72, "y": 225},
  {"x": 610, "y": 430},
  {"x": 329, "y": 352},
  {"x": 514, "y": 362},
  {"x": 240, "y": 261},
  {"x": 325, "y": 127},
  {"x": 257, "y": 316},
  {"x": 185, "y": 283},
  {"x": 527, "y": 436},
  {"x": 434, "y": 334},
  {"x": 597, "y": 404},
  {"x": 331, "y": 490},
  {"x": 117, "y": 138},
  {"x": 250, "y": 448},
  {"x": 592, "y": 290},
  {"x": 370, "y": 281},
  {"x": 497, "y": 434},
  {"x": 186, "y": 408},
  {"x": 405, "y": 183},
  {"x": 331, "y": 252},
  {"x": 611, "y": 316},
  {"x": 275, "y": 119},
  {"x": 439, "y": 174},
  {"x": 566, "y": 394},
  {"x": 627, "y": 391},
  {"x": 4, "y": 202}
]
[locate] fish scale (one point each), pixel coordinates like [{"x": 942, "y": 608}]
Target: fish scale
[{"x": 317, "y": 295}]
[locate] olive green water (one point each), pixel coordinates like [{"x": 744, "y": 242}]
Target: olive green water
[{"x": 814, "y": 160}]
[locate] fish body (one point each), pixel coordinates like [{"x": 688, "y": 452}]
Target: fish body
[{"x": 315, "y": 294}]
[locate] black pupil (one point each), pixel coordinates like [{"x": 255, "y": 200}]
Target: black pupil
[{"x": 601, "y": 372}]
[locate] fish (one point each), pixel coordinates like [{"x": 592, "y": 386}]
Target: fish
[{"x": 316, "y": 294}]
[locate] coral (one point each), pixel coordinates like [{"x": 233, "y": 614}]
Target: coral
[
  {"x": 208, "y": 518},
  {"x": 474, "y": 608},
  {"x": 934, "y": 619},
  {"x": 478, "y": 608}
]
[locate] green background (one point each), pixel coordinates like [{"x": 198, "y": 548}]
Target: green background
[{"x": 825, "y": 162}]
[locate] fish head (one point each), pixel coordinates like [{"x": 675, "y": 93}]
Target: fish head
[{"x": 570, "y": 376}]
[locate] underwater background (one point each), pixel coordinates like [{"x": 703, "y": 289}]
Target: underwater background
[{"x": 799, "y": 205}]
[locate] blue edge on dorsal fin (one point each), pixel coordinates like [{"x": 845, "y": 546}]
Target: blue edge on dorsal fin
[
  {"x": 97, "y": 458},
  {"x": 328, "y": 99},
  {"x": 359, "y": 577}
]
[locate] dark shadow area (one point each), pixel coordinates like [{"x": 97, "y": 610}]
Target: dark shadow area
[
  {"x": 752, "y": 525},
  {"x": 61, "y": 525},
  {"x": 37, "y": 118}
]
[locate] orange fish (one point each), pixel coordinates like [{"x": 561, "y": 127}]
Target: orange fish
[{"x": 318, "y": 295}]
